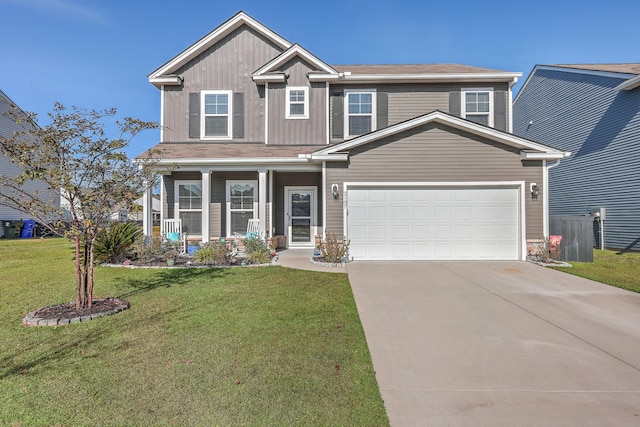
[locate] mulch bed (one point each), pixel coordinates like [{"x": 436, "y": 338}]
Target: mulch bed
[{"x": 66, "y": 313}]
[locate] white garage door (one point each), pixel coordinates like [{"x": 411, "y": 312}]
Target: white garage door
[{"x": 433, "y": 223}]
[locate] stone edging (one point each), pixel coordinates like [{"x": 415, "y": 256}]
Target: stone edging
[
  {"x": 327, "y": 264},
  {"x": 31, "y": 320}
]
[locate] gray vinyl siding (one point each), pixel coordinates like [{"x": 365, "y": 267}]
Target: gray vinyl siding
[
  {"x": 434, "y": 153},
  {"x": 297, "y": 131},
  {"x": 288, "y": 179},
  {"x": 406, "y": 101},
  {"x": 228, "y": 65},
  {"x": 8, "y": 168},
  {"x": 584, "y": 114}
]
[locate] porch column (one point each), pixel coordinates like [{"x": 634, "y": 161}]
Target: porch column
[
  {"x": 147, "y": 212},
  {"x": 262, "y": 201},
  {"x": 206, "y": 204}
]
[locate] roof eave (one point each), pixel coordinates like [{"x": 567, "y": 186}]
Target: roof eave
[
  {"x": 530, "y": 155},
  {"x": 630, "y": 84},
  {"x": 432, "y": 77}
]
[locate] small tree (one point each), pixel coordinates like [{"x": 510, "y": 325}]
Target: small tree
[{"x": 83, "y": 166}]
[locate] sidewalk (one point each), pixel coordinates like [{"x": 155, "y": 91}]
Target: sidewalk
[{"x": 299, "y": 259}]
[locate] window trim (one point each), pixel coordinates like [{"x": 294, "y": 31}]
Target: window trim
[
  {"x": 203, "y": 115},
  {"x": 463, "y": 101},
  {"x": 228, "y": 185},
  {"x": 374, "y": 110},
  {"x": 287, "y": 112},
  {"x": 176, "y": 201}
]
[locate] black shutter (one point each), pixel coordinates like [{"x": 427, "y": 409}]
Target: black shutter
[
  {"x": 382, "y": 110},
  {"x": 238, "y": 115},
  {"x": 337, "y": 115},
  {"x": 455, "y": 108},
  {"x": 500, "y": 110},
  {"x": 194, "y": 115}
]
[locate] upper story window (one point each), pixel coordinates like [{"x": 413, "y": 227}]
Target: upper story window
[
  {"x": 477, "y": 106},
  {"x": 216, "y": 118},
  {"x": 360, "y": 117},
  {"x": 297, "y": 103}
]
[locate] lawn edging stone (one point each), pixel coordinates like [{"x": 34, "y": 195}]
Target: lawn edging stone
[{"x": 33, "y": 318}]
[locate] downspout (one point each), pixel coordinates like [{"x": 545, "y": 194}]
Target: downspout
[
  {"x": 511, "y": 85},
  {"x": 324, "y": 199},
  {"x": 545, "y": 196}
]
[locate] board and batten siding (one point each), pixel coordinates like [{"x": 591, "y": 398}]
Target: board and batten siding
[
  {"x": 406, "y": 101},
  {"x": 297, "y": 131},
  {"x": 434, "y": 153},
  {"x": 584, "y": 114},
  {"x": 228, "y": 65}
]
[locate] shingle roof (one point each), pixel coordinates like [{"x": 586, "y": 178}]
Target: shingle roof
[
  {"x": 630, "y": 68},
  {"x": 413, "y": 69},
  {"x": 212, "y": 151}
]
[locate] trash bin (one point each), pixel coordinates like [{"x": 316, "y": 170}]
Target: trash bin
[
  {"x": 28, "y": 228},
  {"x": 11, "y": 229}
]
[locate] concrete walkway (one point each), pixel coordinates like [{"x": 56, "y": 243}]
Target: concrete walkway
[
  {"x": 299, "y": 259},
  {"x": 499, "y": 344}
]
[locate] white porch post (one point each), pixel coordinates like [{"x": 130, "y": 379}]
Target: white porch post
[
  {"x": 147, "y": 212},
  {"x": 206, "y": 204},
  {"x": 262, "y": 201}
]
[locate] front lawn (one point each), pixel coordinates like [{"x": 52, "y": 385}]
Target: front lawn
[
  {"x": 610, "y": 267},
  {"x": 243, "y": 346}
]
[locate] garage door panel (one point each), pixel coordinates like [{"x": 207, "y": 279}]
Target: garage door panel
[{"x": 434, "y": 223}]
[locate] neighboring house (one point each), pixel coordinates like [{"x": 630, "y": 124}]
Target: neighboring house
[
  {"x": 593, "y": 111},
  {"x": 405, "y": 161},
  {"x": 7, "y": 128}
]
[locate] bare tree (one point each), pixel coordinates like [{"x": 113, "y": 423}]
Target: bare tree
[{"x": 80, "y": 163}]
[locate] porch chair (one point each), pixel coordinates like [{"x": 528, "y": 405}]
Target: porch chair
[{"x": 172, "y": 233}]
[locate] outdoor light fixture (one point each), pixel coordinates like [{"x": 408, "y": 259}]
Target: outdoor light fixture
[
  {"x": 534, "y": 191},
  {"x": 334, "y": 191}
]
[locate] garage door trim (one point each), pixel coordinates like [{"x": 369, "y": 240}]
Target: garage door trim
[{"x": 518, "y": 185}]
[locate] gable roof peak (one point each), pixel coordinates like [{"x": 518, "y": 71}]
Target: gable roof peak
[{"x": 160, "y": 75}]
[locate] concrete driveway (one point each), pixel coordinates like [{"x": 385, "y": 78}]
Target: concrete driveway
[{"x": 499, "y": 344}]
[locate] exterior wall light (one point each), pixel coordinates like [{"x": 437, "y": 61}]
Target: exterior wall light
[
  {"x": 534, "y": 191},
  {"x": 334, "y": 192}
]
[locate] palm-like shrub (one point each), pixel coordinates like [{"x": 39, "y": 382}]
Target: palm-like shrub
[{"x": 112, "y": 243}]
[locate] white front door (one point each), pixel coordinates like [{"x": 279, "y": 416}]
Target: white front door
[{"x": 300, "y": 216}]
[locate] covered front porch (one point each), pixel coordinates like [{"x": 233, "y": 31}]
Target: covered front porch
[{"x": 218, "y": 202}]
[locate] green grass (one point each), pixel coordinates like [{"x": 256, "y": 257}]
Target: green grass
[
  {"x": 245, "y": 346},
  {"x": 610, "y": 267}
]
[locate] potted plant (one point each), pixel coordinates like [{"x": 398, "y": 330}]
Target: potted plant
[{"x": 170, "y": 256}]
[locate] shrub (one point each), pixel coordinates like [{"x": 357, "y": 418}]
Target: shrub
[
  {"x": 334, "y": 250},
  {"x": 215, "y": 253},
  {"x": 257, "y": 251},
  {"x": 147, "y": 248},
  {"x": 112, "y": 243}
]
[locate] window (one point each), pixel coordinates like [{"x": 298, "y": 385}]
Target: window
[
  {"x": 242, "y": 197},
  {"x": 360, "y": 107},
  {"x": 188, "y": 206},
  {"x": 297, "y": 103},
  {"x": 216, "y": 117},
  {"x": 477, "y": 106}
]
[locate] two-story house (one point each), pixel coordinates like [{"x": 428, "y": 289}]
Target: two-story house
[
  {"x": 592, "y": 110},
  {"x": 405, "y": 161},
  {"x": 8, "y": 127}
]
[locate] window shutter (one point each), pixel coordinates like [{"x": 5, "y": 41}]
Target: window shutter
[
  {"x": 194, "y": 115},
  {"x": 500, "y": 110},
  {"x": 238, "y": 115},
  {"x": 455, "y": 108},
  {"x": 382, "y": 119},
  {"x": 337, "y": 115}
]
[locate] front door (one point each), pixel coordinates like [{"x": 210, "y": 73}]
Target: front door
[{"x": 300, "y": 216}]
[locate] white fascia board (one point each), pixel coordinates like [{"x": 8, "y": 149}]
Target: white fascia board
[
  {"x": 340, "y": 157},
  {"x": 269, "y": 78},
  {"x": 171, "y": 80},
  {"x": 433, "y": 77},
  {"x": 526, "y": 155},
  {"x": 215, "y": 35},
  {"x": 317, "y": 77},
  {"x": 295, "y": 50},
  {"x": 629, "y": 84}
]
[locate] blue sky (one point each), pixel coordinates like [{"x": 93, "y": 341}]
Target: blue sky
[{"x": 97, "y": 53}]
